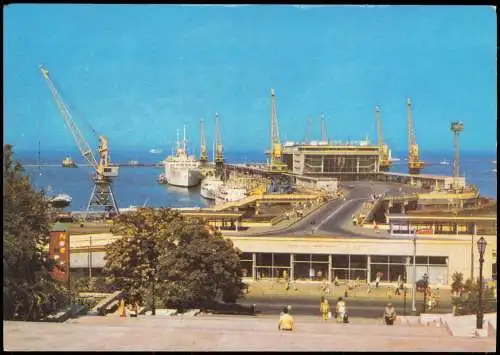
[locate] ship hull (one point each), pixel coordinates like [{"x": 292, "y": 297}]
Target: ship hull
[{"x": 183, "y": 177}]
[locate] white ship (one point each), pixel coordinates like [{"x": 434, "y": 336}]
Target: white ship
[
  {"x": 60, "y": 201},
  {"x": 445, "y": 162},
  {"x": 155, "y": 151},
  {"x": 182, "y": 169},
  {"x": 229, "y": 194},
  {"x": 209, "y": 187}
]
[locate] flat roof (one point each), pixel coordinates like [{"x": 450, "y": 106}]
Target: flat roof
[{"x": 404, "y": 217}]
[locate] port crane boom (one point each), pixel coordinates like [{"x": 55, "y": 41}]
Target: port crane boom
[
  {"x": 414, "y": 163},
  {"x": 384, "y": 157},
  {"x": 219, "y": 151},
  {"x": 102, "y": 193},
  {"x": 276, "y": 149},
  {"x": 203, "y": 143}
]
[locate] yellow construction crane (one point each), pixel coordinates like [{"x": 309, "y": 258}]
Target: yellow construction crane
[
  {"x": 203, "y": 143},
  {"x": 276, "y": 163},
  {"x": 218, "y": 149},
  {"x": 384, "y": 152},
  {"x": 414, "y": 163},
  {"x": 102, "y": 195}
]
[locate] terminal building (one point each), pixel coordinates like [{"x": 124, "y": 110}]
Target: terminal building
[
  {"x": 332, "y": 159},
  {"x": 444, "y": 245}
]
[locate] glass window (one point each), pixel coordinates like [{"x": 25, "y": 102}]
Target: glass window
[
  {"x": 494, "y": 271},
  {"x": 358, "y": 261},
  {"x": 342, "y": 274},
  {"x": 264, "y": 259},
  {"x": 281, "y": 259},
  {"x": 379, "y": 259},
  {"x": 437, "y": 260},
  {"x": 264, "y": 272},
  {"x": 422, "y": 260},
  {"x": 246, "y": 268},
  {"x": 362, "y": 274},
  {"x": 246, "y": 256},
  {"x": 301, "y": 271},
  {"x": 302, "y": 257},
  {"x": 375, "y": 268},
  {"x": 340, "y": 261},
  {"x": 320, "y": 257},
  {"x": 396, "y": 271},
  {"x": 397, "y": 259}
]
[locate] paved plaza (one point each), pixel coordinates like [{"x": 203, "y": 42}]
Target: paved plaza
[{"x": 158, "y": 333}]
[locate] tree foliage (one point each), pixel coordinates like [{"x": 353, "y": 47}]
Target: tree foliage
[
  {"x": 29, "y": 292},
  {"x": 189, "y": 263},
  {"x": 468, "y": 301}
]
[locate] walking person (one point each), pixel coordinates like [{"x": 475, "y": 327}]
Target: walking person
[
  {"x": 324, "y": 308},
  {"x": 389, "y": 314},
  {"x": 121, "y": 308},
  {"x": 286, "y": 321},
  {"x": 341, "y": 311}
]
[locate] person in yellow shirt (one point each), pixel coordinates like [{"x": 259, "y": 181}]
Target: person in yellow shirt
[
  {"x": 286, "y": 321},
  {"x": 121, "y": 308},
  {"x": 324, "y": 308}
]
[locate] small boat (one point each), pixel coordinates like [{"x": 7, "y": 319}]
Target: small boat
[
  {"x": 133, "y": 163},
  {"x": 60, "y": 201},
  {"x": 209, "y": 187},
  {"x": 444, "y": 162},
  {"x": 155, "y": 151},
  {"x": 68, "y": 163}
]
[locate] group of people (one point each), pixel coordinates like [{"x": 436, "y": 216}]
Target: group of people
[
  {"x": 340, "y": 313},
  {"x": 133, "y": 308},
  {"x": 287, "y": 323}
]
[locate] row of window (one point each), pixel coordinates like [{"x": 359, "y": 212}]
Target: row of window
[{"x": 339, "y": 260}]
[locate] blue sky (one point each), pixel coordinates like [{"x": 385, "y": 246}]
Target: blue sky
[{"x": 137, "y": 73}]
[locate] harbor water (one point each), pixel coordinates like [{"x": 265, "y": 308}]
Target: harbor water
[{"x": 137, "y": 185}]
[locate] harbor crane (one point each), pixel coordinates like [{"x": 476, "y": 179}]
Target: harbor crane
[
  {"x": 456, "y": 127},
  {"x": 324, "y": 135},
  {"x": 102, "y": 195},
  {"x": 384, "y": 152},
  {"x": 219, "y": 151},
  {"x": 415, "y": 165},
  {"x": 276, "y": 162},
  {"x": 203, "y": 143}
]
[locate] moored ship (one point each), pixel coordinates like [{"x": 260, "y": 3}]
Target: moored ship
[
  {"x": 68, "y": 163},
  {"x": 59, "y": 201},
  {"x": 182, "y": 169},
  {"x": 209, "y": 187}
]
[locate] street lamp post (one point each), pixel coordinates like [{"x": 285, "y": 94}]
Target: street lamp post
[
  {"x": 481, "y": 247},
  {"x": 414, "y": 289},
  {"x": 426, "y": 286}
]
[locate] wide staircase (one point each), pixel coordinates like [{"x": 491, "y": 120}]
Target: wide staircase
[{"x": 261, "y": 334}]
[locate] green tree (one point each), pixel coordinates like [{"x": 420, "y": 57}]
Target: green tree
[
  {"x": 29, "y": 291},
  {"x": 457, "y": 284},
  {"x": 468, "y": 301},
  {"x": 188, "y": 262}
]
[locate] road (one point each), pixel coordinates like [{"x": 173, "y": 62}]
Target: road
[
  {"x": 335, "y": 217},
  {"x": 357, "y": 307}
]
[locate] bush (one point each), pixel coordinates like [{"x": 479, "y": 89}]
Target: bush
[
  {"x": 457, "y": 284},
  {"x": 468, "y": 302}
]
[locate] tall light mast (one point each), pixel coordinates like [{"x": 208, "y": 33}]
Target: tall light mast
[
  {"x": 414, "y": 163},
  {"x": 384, "y": 160},
  {"x": 456, "y": 127},
  {"x": 102, "y": 195},
  {"x": 276, "y": 163}
]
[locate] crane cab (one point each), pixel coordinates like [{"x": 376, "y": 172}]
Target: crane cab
[{"x": 110, "y": 171}]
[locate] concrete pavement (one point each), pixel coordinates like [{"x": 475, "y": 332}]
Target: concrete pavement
[{"x": 219, "y": 333}]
